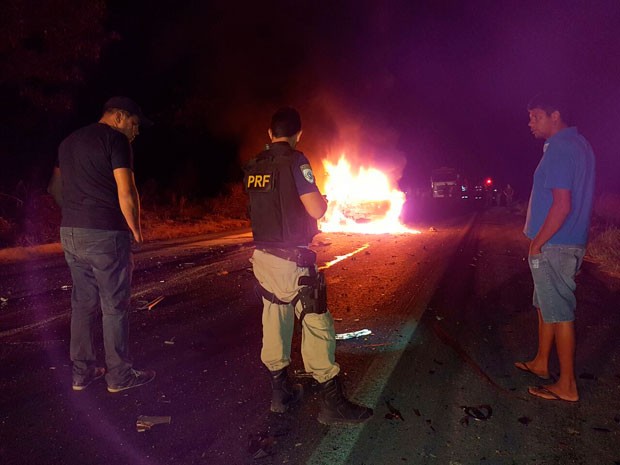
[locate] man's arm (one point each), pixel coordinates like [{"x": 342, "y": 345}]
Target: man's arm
[
  {"x": 314, "y": 203},
  {"x": 55, "y": 186},
  {"x": 560, "y": 208},
  {"x": 129, "y": 200}
]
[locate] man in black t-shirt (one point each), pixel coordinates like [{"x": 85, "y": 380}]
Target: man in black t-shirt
[{"x": 93, "y": 182}]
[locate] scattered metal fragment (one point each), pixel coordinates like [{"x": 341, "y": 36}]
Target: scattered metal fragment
[
  {"x": 170, "y": 341},
  {"x": 162, "y": 399},
  {"x": 152, "y": 303},
  {"x": 393, "y": 414},
  {"x": 261, "y": 445},
  {"x": 525, "y": 420},
  {"x": 66, "y": 287},
  {"x": 374, "y": 346},
  {"x": 353, "y": 334},
  {"x": 145, "y": 422},
  {"x": 478, "y": 412}
]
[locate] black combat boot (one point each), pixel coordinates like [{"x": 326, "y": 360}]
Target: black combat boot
[
  {"x": 283, "y": 393},
  {"x": 336, "y": 408}
]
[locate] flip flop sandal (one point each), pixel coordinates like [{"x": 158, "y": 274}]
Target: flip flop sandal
[
  {"x": 541, "y": 392},
  {"x": 523, "y": 367}
]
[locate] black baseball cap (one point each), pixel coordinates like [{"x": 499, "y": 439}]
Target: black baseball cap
[{"x": 125, "y": 103}]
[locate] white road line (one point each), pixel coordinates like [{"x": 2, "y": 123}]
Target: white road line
[
  {"x": 336, "y": 446},
  {"x": 21, "y": 329}
]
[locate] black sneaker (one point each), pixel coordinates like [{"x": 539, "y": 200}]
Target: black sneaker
[
  {"x": 81, "y": 385},
  {"x": 138, "y": 378}
]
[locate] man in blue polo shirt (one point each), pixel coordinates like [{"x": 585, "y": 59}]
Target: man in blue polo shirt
[{"x": 558, "y": 220}]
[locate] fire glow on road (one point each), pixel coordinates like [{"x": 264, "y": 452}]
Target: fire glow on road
[
  {"x": 364, "y": 202},
  {"x": 339, "y": 258}
]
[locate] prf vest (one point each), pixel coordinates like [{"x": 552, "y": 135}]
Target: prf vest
[{"x": 279, "y": 219}]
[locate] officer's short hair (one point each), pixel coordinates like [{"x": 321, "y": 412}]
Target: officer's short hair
[
  {"x": 550, "y": 102},
  {"x": 285, "y": 122}
]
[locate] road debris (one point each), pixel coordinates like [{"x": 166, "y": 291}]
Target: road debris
[
  {"x": 66, "y": 287},
  {"x": 354, "y": 334},
  {"x": 477, "y": 412},
  {"x": 145, "y": 422},
  {"x": 162, "y": 399},
  {"x": 152, "y": 303},
  {"x": 170, "y": 341},
  {"x": 222, "y": 273},
  {"x": 261, "y": 445},
  {"x": 3, "y": 301},
  {"x": 601, "y": 430},
  {"x": 393, "y": 414}
]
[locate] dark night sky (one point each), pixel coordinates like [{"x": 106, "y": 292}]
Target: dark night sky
[{"x": 410, "y": 85}]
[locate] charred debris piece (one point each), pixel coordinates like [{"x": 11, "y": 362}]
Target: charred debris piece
[
  {"x": 394, "y": 413},
  {"x": 145, "y": 422},
  {"x": 477, "y": 412}
]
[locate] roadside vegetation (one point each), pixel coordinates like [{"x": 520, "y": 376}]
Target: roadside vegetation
[
  {"x": 604, "y": 246},
  {"x": 31, "y": 217}
]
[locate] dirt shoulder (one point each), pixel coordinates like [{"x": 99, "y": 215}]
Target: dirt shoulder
[{"x": 154, "y": 232}]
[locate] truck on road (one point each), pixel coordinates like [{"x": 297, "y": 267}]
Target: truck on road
[{"x": 445, "y": 183}]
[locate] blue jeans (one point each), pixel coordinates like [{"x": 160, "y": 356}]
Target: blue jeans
[
  {"x": 101, "y": 265},
  {"x": 553, "y": 272}
]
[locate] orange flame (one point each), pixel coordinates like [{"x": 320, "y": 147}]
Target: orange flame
[{"x": 365, "y": 202}]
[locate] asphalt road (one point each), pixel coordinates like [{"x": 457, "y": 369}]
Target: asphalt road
[{"x": 449, "y": 314}]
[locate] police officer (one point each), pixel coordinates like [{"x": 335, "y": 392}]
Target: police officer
[{"x": 285, "y": 205}]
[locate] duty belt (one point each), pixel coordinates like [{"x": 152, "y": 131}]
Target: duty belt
[
  {"x": 304, "y": 257},
  {"x": 287, "y": 254}
]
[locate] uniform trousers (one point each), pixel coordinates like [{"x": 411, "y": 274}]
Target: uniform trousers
[{"x": 318, "y": 337}]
